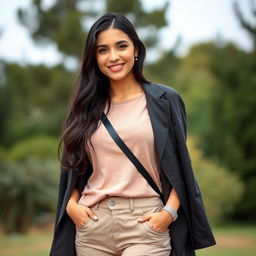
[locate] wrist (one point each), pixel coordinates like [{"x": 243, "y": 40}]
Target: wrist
[
  {"x": 167, "y": 216},
  {"x": 171, "y": 211},
  {"x": 70, "y": 205}
]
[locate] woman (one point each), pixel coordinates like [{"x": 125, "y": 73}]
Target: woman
[{"x": 105, "y": 206}]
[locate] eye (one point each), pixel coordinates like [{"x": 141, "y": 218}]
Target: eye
[
  {"x": 102, "y": 50},
  {"x": 123, "y": 46}
]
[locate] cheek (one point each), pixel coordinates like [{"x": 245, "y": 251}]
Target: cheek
[
  {"x": 100, "y": 62},
  {"x": 131, "y": 61},
  {"x": 130, "y": 57}
]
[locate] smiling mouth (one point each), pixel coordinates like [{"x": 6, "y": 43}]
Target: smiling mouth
[{"x": 116, "y": 68}]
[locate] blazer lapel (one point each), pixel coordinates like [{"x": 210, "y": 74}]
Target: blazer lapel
[{"x": 159, "y": 112}]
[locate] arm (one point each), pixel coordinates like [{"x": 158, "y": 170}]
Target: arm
[
  {"x": 173, "y": 200},
  {"x": 73, "y": 198}
]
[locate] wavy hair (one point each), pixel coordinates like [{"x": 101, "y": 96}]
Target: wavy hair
[{"x": 91, "y": 93}]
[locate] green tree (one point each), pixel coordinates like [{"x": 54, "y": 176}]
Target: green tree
[
  {"x": 148, "y": 24},
  {"x": 218, "y": 82},
  {"x": 249, "y": 26},
  {"x": 195, "y": 80},
  {"x": 65, "y": 23},
  {"x": 230, "y": 137},
  {"x": 34, "y": 101},
  {"x": 221, "y": 189},
  {"x": 165, "y": 69}
]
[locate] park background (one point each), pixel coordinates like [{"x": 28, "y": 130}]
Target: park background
[{"x": 215, "y": 76}]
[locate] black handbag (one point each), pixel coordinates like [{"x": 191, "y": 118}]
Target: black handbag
[{"x": 129, "y": 154}]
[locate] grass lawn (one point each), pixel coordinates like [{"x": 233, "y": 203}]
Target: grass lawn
[
  {"x": 32, "y": 244},
  {"x": 232, "y": 240}
]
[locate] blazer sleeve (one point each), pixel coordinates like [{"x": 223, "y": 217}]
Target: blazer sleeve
[{"x": 63, "y": 180}]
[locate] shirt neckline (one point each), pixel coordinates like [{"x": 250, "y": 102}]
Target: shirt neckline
[{"x": 129, "y": 100}]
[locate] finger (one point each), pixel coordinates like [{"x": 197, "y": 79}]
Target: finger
[
  {"x": 144, "y": 218},
  {"x": 91, "y": 214}
]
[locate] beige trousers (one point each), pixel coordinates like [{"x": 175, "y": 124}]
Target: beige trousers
[{"x": 117, "y": 231}]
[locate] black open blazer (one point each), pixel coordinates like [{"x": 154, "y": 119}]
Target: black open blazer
[{"x": 191, "y": 230}]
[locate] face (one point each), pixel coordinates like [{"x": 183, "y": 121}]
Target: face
[{"x": 115, "y": 54}]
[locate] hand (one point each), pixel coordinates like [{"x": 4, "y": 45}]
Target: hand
[
  {"x": 79, "y": 213},
  {"x": 159, "y": 221}
]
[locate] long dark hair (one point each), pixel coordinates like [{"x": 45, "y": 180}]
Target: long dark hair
[{"x": 91, "y": 93}]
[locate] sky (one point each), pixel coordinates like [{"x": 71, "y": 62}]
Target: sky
[{"x": 194, "y": 20}]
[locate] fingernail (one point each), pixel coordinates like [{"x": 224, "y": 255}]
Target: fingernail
[
  {"x": 95, "y": 217},
  {"x": 139, "y": 219}
]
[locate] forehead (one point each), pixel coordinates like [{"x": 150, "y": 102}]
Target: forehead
[{"x": 112, "y": 35}]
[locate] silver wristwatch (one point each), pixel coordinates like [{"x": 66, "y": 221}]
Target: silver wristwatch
[{"x": 171, "y": 211}]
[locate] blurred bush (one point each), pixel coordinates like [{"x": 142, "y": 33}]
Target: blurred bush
[
  {"x": 41, "y": 146},
  {"x": 221, "y": 189},
  {"x": 29, "y": 182}
]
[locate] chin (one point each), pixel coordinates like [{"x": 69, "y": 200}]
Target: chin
[{"x": 117, "y": 77}]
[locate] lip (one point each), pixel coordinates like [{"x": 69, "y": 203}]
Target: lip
[{"x": 116, "y": 67}]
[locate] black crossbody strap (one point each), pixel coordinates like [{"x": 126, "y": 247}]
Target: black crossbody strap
[{"x": 129, "y": 154}]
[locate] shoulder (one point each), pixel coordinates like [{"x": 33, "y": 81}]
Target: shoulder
[
  {"x": 171, "y": 93},
  {"x": 176, "y": 102},
  {"x": 165, "y": 87}
]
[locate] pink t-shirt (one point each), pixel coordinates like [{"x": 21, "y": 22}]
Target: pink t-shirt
[{"x": 113, "y": 173}]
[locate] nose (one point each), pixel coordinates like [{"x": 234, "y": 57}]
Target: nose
[{"x": 114, "y": 55}]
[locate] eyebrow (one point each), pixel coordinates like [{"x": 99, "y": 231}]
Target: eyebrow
[{"x": 117, "y": 43}]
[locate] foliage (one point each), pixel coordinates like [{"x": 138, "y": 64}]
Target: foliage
[
  {"x": 220, "y": 189},
  {"x": 61, "y": 24},
  {"x": 230, "y": 135},
  {"x": 38, "y": 147},
  {"x": 165, "y": 69},
  {"x": 146, "y": 23},
  {"x": 248, "y": 25},
  {"x": 218, "y": 84},
  {"x": 194, "y": 81},
  {"x": 34, "y": 101},
  {"x": 65, "y": 23},
  {"x": 27, "y": 188},
  {"x": 29, "y": 181}
]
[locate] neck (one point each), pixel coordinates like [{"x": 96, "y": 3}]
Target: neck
[{"x": 124, "y": 88}]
